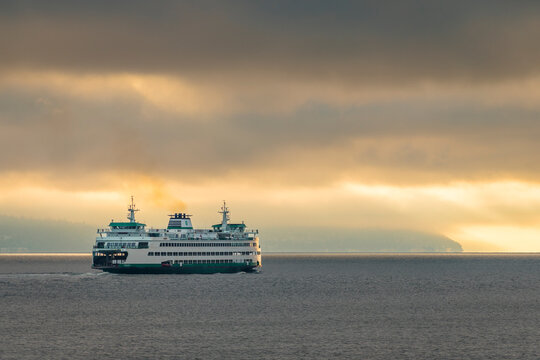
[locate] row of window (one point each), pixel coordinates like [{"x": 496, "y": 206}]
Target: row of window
[
  {"x": 205, "y": 244},
  {"x": 111, "y": 254},
  {"x": 218, "y": 261},
  {"x": 217, "y": 253},
  {"x": 123, "y": 245}
]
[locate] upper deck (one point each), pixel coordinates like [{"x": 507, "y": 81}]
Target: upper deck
[
  {"x": 160, "y": 234},
  {"x": 179, "y": 228}
]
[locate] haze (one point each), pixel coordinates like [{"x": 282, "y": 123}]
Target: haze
[{"x": 407, "y": 116}]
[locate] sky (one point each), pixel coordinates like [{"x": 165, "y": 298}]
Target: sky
[{"x": 397, "y": 115}]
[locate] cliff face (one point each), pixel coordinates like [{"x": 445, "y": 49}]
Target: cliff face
[{"x": 352, "y": 240}]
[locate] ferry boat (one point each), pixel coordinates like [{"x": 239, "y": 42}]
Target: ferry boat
[{"x": 129, "y": 247}]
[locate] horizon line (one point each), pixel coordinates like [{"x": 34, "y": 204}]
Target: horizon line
[{"x": 309, "y": 253}]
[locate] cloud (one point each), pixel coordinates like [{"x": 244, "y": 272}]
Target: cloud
[{"x": 340, "y": 41}]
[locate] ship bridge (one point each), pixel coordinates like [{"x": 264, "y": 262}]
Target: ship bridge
[
  {"x": 126, "y": 225},
  {"x": 225, "y": 226},
  {"x": 130, "y": 226},
  {"x": 230, "y": 227}
]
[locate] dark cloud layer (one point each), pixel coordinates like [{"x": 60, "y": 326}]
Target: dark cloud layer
[
  {"x": 245, "y": 48},
  {"x": 363, "y": 41}
]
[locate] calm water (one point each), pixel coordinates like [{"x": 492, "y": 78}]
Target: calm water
[{"x": 300, "y": 306}]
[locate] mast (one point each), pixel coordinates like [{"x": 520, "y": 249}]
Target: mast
[
  {"x": 225, "y": 212},
  {"x": 131, "y": 209}
]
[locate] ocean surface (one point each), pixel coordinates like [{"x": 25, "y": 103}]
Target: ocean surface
[{"x": 362, "y": 306}]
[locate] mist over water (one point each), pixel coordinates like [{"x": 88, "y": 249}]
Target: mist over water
[{"x": 378, "y": 306}]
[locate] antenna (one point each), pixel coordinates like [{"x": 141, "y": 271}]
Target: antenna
[
  {"x": 131, "y": 209},
  {"x": 225, "y": 219}
]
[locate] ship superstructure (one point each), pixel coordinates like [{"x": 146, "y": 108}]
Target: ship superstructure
[{"x": 128, "y": 247}]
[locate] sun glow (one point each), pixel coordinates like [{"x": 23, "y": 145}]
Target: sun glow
[
  {"x": 470, "y": 213},
  {"x": 499, "y": 238}
]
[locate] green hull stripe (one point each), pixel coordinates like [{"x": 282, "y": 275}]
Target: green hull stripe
[{"x": 177, "y": 269}]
